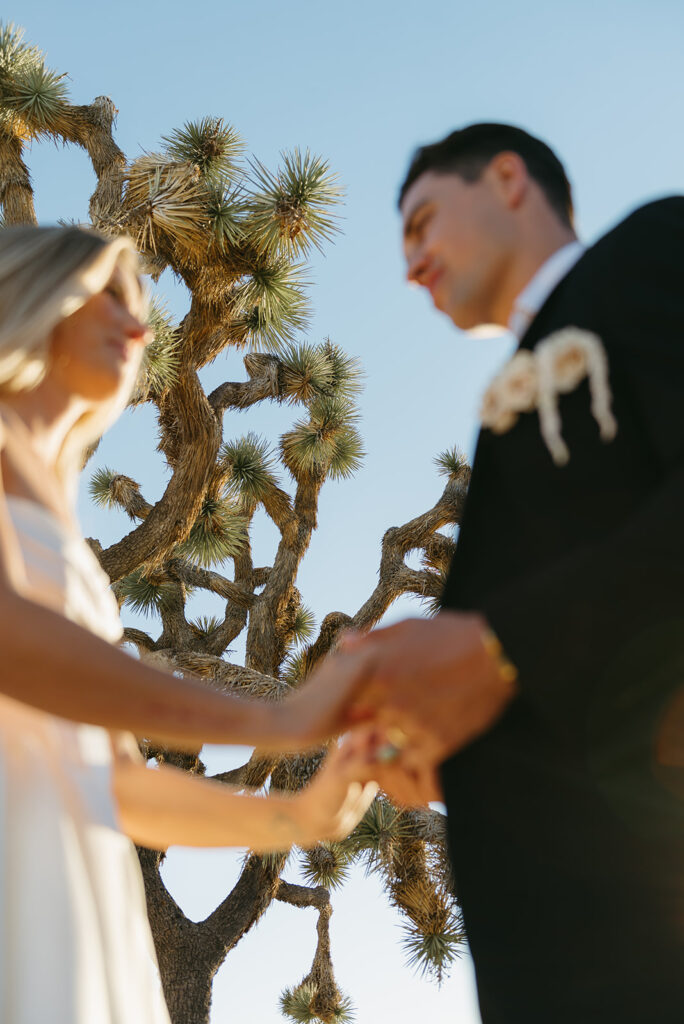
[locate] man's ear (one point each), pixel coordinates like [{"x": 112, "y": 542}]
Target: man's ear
[{"x": 508, "y": 175}]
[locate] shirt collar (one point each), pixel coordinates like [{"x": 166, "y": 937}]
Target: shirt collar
[{"x": 536, "y": 292}]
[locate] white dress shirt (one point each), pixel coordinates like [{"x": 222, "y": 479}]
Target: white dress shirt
[{"x": 536, "y": 292}]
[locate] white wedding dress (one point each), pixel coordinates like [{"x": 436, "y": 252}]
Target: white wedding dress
[{"x": 75, "y": 943}]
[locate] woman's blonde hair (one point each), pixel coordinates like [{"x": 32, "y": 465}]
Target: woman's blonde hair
[{"x": 46, "y": 274}]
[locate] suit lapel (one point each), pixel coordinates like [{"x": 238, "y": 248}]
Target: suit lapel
[{"x": 538, "y": 328}]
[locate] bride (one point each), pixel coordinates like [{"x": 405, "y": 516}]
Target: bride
[{"x": 75, "y": 945}]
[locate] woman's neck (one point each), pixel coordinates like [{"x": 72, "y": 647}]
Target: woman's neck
[{"x": 48, "y": 416}]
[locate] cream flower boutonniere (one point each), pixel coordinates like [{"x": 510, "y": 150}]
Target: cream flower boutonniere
[{"x": 534, "y": 380}]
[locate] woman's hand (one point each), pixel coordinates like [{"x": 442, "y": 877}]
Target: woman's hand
[
  {"x": 340, "y": 794},
  {"x": 318, "y": 709}
]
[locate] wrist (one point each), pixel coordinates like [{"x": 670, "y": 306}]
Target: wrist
[
  {"x": 278, "y": 726},
  {"x": 289, "y": 820}
]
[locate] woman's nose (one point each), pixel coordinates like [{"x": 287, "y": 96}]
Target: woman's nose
[{"x": 138, "y": 330}]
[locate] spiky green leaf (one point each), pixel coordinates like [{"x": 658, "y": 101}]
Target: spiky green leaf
[
  {"x": 270, "y": 305},
  {"x": 161, "y": 359},
  {"x": 298, "y": 1004},
  {"x": 273, "y": 286},
  {"x": 99, "y": 487},
  {"x": 304, "y": 450},
  {"x": 346, "y": 375},
  {"x": 377, "y": 835},
  {"x": 344, "y": 1012},
  {"x": 450, "y": 462},
  {"x": 348, "y": 454},
  {"x": 306, "y": 372},
  {"x": 292, "y": 668},
  {"x": 143, "y": 594},
  {"x": 37, "y": 95},
  {"x": 433, "y": 953},
  {"x": 290, "y": 209},
  {"x": 16, "y": 56},
  {"x": 204, "y": 625},
  {"x": 218, "y": 533},
  {"x": 249, "y": 461},
  {"x": 327, "y": 436},
  {"x": 275, "y": 861},
  {"x": 295, "y": 1003},
  {"x": 304, "y": 626},
  {"x": 211, "y": 144},
  {"x": 326, "y": 864},
  {"x": 331, "y": 413},
  {"x": 166, "y": 198},
  {"x": 269, "y": 334},
  {"x": 26, "y": 86},
  {"x": 226, "y": 214}
]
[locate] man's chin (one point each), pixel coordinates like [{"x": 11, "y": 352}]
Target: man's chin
[
  {"x": 460, "y": 318},
  {"x": 474, "y": 324}
]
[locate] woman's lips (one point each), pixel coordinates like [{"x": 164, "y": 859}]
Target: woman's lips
[{"x": 122, "y": 348}]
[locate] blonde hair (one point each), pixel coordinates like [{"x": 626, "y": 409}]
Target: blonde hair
[{"x": 46, "y": 274}]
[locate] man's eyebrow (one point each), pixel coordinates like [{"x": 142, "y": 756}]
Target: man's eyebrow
[{"x": 410, "y": 220}]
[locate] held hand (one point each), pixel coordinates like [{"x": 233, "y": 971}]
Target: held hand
[
  {"x": 405, "y": 765},
  {"x": 437, "y": 677},
  {"x": 340, "y": 794},
  {"x": 319, "y": 708}
]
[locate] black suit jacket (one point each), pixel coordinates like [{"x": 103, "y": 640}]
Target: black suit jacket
[{"x": 568, "y": 850}]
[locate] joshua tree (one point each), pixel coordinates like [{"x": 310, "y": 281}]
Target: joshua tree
[{"x": 237, "y": 235}]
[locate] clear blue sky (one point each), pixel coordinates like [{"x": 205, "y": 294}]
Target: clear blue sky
[{"x": 362, "y": 84}]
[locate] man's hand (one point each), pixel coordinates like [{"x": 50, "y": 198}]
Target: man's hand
[
  {"x": 436, "y": 678},
  {"x": 410, "y": 778}
]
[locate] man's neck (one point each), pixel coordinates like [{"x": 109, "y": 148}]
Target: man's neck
[{"x": 532, "y": 254}]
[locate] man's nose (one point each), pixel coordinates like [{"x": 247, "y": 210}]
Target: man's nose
[{"x": 415, "y": 268}]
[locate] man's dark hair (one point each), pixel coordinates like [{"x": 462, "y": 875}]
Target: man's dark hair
[{"x": 467, "y": 151}]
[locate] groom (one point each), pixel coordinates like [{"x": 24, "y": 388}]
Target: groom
[{"x": 547, "y": 687}]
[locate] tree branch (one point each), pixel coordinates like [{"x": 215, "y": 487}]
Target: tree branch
[
  {"x": 169, "y": 522},
  {"x": 326, "y": 995},
  {"x": 228, "y": 676},
  {"x": 235, "y": 777},
  {"x": 16, "y": 193},
  {"x": 139, "y": 638},
  {"x": 395, "y": 576},
  {"x": 262, "y": 641},
  {"x": 194, "y": 576},
  {"x": 126, "y": 493},
  {"x": 90, "y": 127},
  {"x": 243, "y": 907},
  {"x": 240, "y": 395},
  {"x": 302, "y": 895}
]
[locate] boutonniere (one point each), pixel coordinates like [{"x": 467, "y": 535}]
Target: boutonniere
[{"x": 534, "y": 380}]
